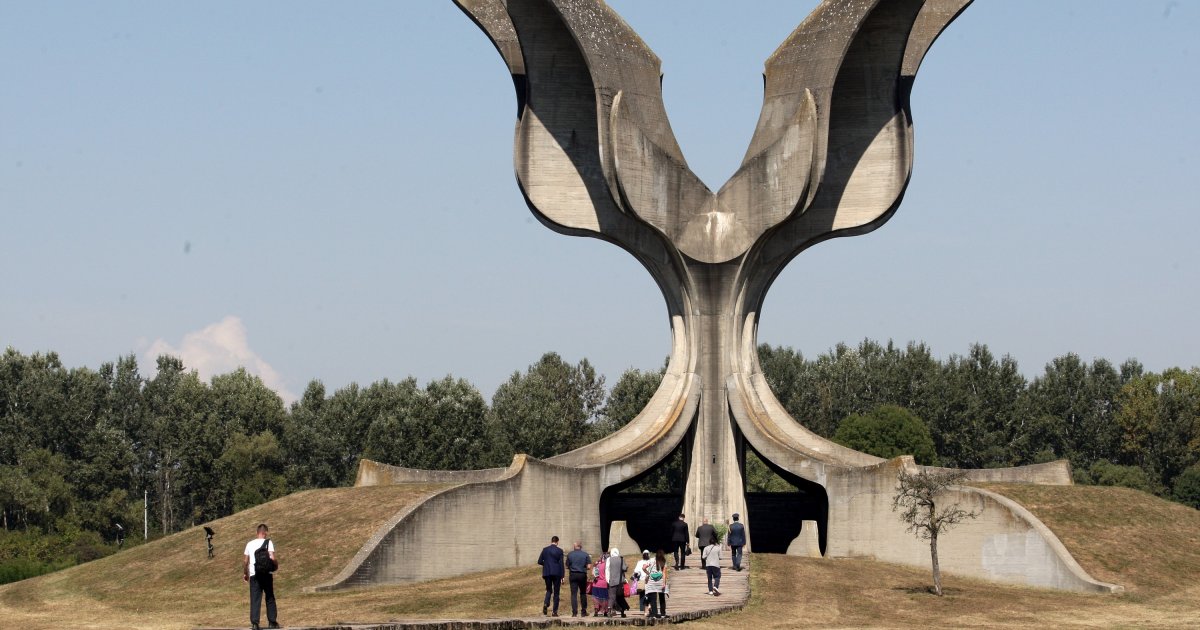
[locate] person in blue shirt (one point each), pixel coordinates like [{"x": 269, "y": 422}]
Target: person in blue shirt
[
  {"x": 578, "y": 563},
  {"x": 553, "y": 565}
]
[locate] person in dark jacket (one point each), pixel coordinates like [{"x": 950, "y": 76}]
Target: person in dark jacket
[
  {"x": 578, "y": 564},
  {"x": 736, "y": 539},
  {"x": 552, "y": 562},
  {"x": 705, "y": 536},
  {"x": 679, "y": 538}
]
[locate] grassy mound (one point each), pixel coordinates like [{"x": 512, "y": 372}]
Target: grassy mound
[
  {"x": 1146, "y": 544},
  {"x": 172, "y": 583}
]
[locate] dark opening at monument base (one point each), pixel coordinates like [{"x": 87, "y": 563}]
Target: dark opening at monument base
[
  {"x": 648, "y": 503},
  {"x": 777, "y": 502},
  {"x": 775, "y": 517}
]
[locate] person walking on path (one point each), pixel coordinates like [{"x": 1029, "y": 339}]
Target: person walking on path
[
  {"x": 736, "y": 539},
  {"x": 258, "y": 564},
  {"x": 578, "y": 563},
  {"x": 640, "y": 571},
  {"x": 600, "y": 586},
  {"x": 711, "y": 555},
  {"x": 656, "y": 586},
  {"x": 706, "y": 535},
  {"x": 552, "y": 562},
  {"x": 615, "y": 570},
  {"x": 679, "y": 538}
]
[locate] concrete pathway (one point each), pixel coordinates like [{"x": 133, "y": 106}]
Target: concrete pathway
[{"x": 688, "y": 601}]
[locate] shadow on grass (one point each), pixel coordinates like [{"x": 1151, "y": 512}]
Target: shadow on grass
[{"x": 927, "y": 590}]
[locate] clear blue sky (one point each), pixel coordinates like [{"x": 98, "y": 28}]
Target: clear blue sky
[{"x": 325, "y": 190}]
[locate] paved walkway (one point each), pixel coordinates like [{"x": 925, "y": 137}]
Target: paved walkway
[{"x": 688, "y": 601}]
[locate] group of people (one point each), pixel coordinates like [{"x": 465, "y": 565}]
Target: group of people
[
  {"x": 710, "y": 548},
  {"x": 609, "y": 582}
]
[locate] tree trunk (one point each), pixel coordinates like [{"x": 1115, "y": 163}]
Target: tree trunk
[{"x": 937, "y": 571}]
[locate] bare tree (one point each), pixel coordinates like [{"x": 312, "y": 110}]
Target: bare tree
[{"x": 917, "y": 497}]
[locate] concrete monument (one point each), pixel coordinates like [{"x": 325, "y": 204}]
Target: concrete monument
[{"x": 595, "y": 156}]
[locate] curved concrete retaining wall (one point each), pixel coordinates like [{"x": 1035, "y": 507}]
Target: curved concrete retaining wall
[
  {"x": 480, "y": 526},
  {"x": 1005, "y": 543}
]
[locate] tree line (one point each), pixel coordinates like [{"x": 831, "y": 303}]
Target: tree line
[
  {"x": 83, "y": 450},
  {"x": 1118, "y": 425}
]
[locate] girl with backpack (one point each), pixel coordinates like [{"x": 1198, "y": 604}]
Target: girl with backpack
[{"x": 656, "y": 586}]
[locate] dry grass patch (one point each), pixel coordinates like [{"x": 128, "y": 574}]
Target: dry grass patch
[{"x": 830, "y": 593}]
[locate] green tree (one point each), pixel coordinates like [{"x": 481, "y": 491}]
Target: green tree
[
  {"x": 888, "y": 431},
  {"x": 1082, "y": 397},
  {"x": 394, "y": 408},
  {"x": 627, "y": 399},
  {"x": 548, "y": 409},
  {"x": 104, "y": 477},
  {"x": 1159, "y": 420},
  {"x": 1187, "y": 486},
  {"x": 243, "y": 403},
  {"x": 847, "y": 381},
  {"x": 979, "y": 411},
  {"x": 1105, "y": 473},
  {"x": 761, "y": 478},
  {"x": 312, "y": 447},
  {"x": 252, "y": 469},
  {"x": 443, "y": 427},
  {"x": 178, "y": 442}
]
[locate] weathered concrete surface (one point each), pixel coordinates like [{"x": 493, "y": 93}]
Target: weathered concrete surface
[
  {"x": 595, "y": 156},
  {"x": 1005, "y": 543},
  {"x": 807, "y": 544},
  {"x": 376, "y": 474}
]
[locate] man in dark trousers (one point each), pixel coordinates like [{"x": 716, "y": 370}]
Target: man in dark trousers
[
  {"x": 705, "y": 536},
  {"x": 578, "y": 563},
  {"x": 736, "y": 539},
  {"x": 258, "y": 574},
  {"x": 679, "y": 538},
  {"x": 552, "y": 562}
]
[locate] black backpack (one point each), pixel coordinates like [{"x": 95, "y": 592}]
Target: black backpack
[{"x": 263, "y": 564}]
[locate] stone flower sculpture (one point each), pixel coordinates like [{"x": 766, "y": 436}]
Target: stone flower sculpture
[{"x": 595, "y": 156}]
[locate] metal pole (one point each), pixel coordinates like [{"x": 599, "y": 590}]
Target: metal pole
[{"x": 146, "y": 515}]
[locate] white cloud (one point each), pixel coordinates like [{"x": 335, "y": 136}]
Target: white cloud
[{"x": 218, "y": 349}]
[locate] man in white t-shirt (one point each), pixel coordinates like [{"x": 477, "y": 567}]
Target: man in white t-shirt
[{"x": 261, "y": 582}]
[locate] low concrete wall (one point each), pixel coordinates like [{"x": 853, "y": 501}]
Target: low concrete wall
[
  {"x": 1005, "y": 543},
  {"x": 372, "y": 473},
  {"x": 1056, "y": 473}
]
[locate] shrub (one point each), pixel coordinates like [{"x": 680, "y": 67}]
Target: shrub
[
  {"x": 22, "y": 569},
  {"x": 1104, "y": 473},
  {"x": 1187, "y": 487},
  {"x": 888, "y": 431}
]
